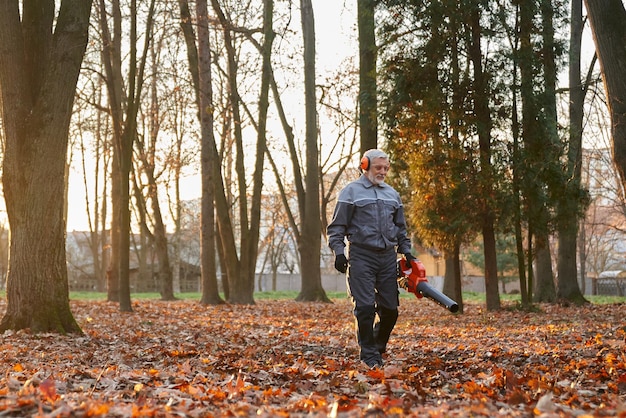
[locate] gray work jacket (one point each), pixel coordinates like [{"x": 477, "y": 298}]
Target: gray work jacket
[{"x": 370, "y": 216}]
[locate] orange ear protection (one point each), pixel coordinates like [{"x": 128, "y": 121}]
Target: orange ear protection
[{"x": 365, "y": 163}]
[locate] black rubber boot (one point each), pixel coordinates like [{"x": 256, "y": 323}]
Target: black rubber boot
[
  {"x": 384, "y": 325},
  {"x": 365, "y": 335}
]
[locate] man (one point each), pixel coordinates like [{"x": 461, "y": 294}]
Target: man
[{"x": 370, "y": 215}]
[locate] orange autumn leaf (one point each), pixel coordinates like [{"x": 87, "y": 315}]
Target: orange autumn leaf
[{"x": 48, "y": 389}]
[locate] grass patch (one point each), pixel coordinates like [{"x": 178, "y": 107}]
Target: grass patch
[
  {"x": 601, "y": 299},
  {"x": 477, "y": 297},
  {"x": 277, "y": 295},
  {"x": 468, "y": 297}
]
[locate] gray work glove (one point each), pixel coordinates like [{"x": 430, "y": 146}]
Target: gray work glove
[{"x": 341, "y": 263}]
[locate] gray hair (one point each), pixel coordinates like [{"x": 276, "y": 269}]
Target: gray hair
[{"x": 375, "y": 153}]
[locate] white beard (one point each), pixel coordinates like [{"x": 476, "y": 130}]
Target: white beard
[{"x": 376, "y": 179}]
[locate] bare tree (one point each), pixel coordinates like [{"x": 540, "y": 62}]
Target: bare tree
[
  {"x": 310, "y": 240},
  {"x": 241, "y": 269},
  {"x": 42, "y": 55},
  {"x": 146, "y": 148},
  {"x": 209, "y": 161},
  {"x": 243, "y": 285},
  {"x": 124, "y": 106},
  {"x": 93, "y": 166}
]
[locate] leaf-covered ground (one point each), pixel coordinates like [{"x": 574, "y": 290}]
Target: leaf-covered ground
[{"x": 284, "y": 358}]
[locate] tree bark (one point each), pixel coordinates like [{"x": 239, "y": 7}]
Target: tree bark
[
  {"x": 124, "y": 108},
  {"x": 368, "y": 115},
  {"x": 483, "y": 127},
  {"x": 452, "y": 286},
  {"x": 535, "y": 151},
  {"x": 242, "y": 288},
  {"x": 544, "y": 285},
  {"x": 546, "y": 291},
  {"x": 38, "y": 75},
  {"x": 567, "y": 272},
  {"x": 210, "y": 291},
  {"x": 311, "y": 238},
  {"x": 210, "y": 295}
]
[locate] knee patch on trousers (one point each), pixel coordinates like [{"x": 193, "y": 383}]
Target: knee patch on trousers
[
  {"x": 392, "y": 314},
  {"x": 364, "y": 312}
]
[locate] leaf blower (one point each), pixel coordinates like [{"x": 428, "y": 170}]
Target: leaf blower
[{"x": 412, "y": 278}]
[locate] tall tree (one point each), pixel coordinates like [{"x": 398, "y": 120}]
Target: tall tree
[
  {"x": 240, "y": 286},
  {"x": 208, "y": 159},
  {"x": 486, "y": 181},
  {"x": 570, "y": 203},
  {"x": 311, "y": 237},
  {"x": 242, "y": 290},
  {"x": 210, "y": 171},
  {"x": 42, "y": 55},
  {"x": 428, "y": 139},
  {"x": 607, "y": 18},
  {"x": 545, "y": 289},
  {"x": 536, "y": 151},
  {"x": 124, "y": 107},
  {"x": 311, "y": 288},
  {"x": 241, "y": 270},
  {"x": 368, "y": 113}
]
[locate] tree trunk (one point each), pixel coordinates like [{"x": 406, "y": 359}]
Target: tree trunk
[
  {"x": 113, "y": 270},
  {"x": 368, "y": 115},
  {"x": 160, "y": 243},
  {"x": 124, "y": 108},
  {"x": 38, "y": 76},
  {"x": 544, "y": 286},
  {"x": 105, "y": 247},
  {"x": 210, "y": 291},
  {"x": 582, "y": 251},
  {"x": 536, "y": 150},
  {"x": 607, "y": 19},
  {"x": 567, "y": 274},
  {"x": 125, "y": 161},
  {"x": 517, "y": 193},
  {"x": 492, "y": 293},
  {"x": 311, "y": 238},
  {"x": 483, "y": 126},
  {"x": 242, "y": 288},
  {"x": 452, "y": 286},
  {"x": 210, "y": 295},
  {"x": 529, "y": 262},
  {"x": 546, "y": 291}
]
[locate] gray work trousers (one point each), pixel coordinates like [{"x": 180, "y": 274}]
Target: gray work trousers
[{"x": 373, "y": 288}]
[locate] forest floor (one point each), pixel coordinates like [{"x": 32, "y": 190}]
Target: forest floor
[{"x": 281, "y": 358}]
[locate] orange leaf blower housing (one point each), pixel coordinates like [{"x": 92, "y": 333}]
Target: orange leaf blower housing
[{"x": 412, "y": 278}]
